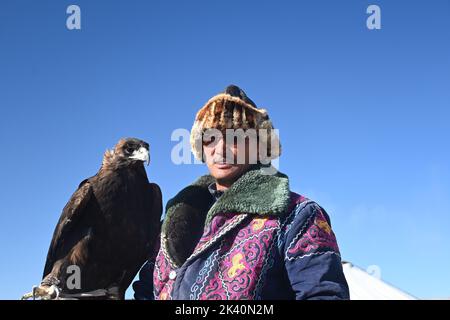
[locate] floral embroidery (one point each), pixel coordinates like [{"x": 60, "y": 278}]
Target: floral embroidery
[
  {"x": 204, "y": 273},
  {"x": 258, "y": 223},
  {"x": 216, "y": 230},
  {"x": 161, "y": 281},
  {"x": 315, "y": 237},
  {"x": 242, "y": 260},
  {"x": 163, "y": 296},
  {"x": 237, "y": 268},
  {"x": 236, "y": 265}
]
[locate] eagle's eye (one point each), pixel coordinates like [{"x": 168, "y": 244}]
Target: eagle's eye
[{"x": 129, "y": 150}]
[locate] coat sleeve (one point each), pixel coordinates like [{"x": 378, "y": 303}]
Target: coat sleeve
[
  {"x": 143, "y": 287},
  {"x": 312, "y": 257}
]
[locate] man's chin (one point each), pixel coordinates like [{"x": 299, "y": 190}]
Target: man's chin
[{"x": 227, "y": 172}]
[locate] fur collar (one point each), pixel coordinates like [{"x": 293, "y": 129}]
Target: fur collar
[{"x": 192, "y": 208}]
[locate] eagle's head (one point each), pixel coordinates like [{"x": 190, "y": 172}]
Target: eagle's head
[{"x": 127, "y": 151}]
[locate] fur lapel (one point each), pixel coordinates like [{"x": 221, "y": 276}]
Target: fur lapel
[{"x": 190, "y": 210}]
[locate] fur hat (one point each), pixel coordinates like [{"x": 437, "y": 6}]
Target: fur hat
[{"x": 232, "y": 109}]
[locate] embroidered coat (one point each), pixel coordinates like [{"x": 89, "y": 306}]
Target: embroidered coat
[{"x": 259, "y": 240}]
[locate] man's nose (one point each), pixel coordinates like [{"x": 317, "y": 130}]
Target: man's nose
[
  {"x": 220, "y": 146},
  {"x": 222, "y": 150}
]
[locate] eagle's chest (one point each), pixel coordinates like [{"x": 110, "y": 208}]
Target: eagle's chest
[
  {"x": 123, "y": 204},
  {"x": 123, "y": 191}
]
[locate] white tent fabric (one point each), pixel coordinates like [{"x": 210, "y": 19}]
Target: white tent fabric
[{"x": 364, "y": 286}]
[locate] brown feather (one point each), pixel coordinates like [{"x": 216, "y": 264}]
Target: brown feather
[{"x": 109, "y": 213}]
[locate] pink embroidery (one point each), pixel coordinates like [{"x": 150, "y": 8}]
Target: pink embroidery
[
  {"x": 219, "y": 222},
  {"x": 241, "y": 261},
  {"x": 317, "y": 237},
  {"x": 213, "y": 291},
  {"x": 161, "y": 281}
]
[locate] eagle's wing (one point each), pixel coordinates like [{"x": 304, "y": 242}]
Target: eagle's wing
[
  {"x": 155, "y": 210},
  {"x": 74, "y": 210},
  {"x": 155, "y": 190}
]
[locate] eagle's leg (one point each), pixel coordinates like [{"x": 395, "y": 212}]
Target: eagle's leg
[{"x": 43, "y": 292}]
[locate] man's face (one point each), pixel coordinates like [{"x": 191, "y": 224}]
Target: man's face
[{"x": 218, "y": 151}]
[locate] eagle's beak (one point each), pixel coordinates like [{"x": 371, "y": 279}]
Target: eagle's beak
[{"x": 141, "y": 154}]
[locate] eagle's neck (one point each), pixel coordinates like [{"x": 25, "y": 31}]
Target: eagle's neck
[
  {"x": 108, "y": 159},
  {"x": 109, "y": 167}
]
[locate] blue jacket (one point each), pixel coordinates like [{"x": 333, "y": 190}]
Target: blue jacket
[{"x": 258, "y": 240}]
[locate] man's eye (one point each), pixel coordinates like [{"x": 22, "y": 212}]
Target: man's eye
[{"x": 209, "y": 141}]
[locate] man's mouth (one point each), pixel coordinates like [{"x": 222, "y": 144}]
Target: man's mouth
[{"x": 222, "y": 165}]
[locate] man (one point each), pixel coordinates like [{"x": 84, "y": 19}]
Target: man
[{"x": 240, "y": 232}]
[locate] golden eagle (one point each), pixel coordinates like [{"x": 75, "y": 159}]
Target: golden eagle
[{"x": 106, "y": 231}]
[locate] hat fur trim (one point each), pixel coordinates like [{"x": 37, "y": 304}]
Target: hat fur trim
[{"x": 225, "y": 111}]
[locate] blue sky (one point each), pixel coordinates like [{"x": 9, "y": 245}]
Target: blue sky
[{"x": 363, "y": 115}]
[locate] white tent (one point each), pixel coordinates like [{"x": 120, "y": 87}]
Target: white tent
[{"x": 364, "y": 286}]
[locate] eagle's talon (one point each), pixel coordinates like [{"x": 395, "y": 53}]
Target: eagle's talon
[
  {"x": 27, "y": 296},
  {"x": 42, "y": 292},
  {"x": 34, "y": 292},
  {"x": 55, "y": 290}
]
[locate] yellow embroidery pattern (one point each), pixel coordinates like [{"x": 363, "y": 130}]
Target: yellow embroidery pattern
[
  {"x": 236, "y": 265},
  {"x": 163, "y": 296},
  {"x": 322, "y": 224},
  {"x": 258, "y": 223}
]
